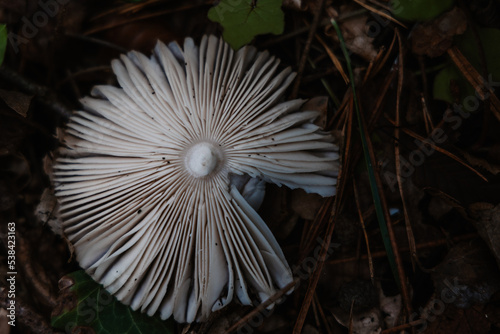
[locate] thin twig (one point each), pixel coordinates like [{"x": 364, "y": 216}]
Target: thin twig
[
  {"x": 387, "y": 54},
  {"x": 362, "y": 222},
  {"x": 322, "y": 314},
  {"x": 475, "y": 79},
  {"x": 411, "y": 324},
  {"x": 409, "y": 231},
  {"x": 425, "y": 94},
  {"x": 314, "y": 229},
  {"x": 73, "y": 75},
  {"x": 303, "y": 59},
  {"x": 341, "y": 185},
  {"x": 260, "y": 308},
  {"x": 316, "y": 274},
  {"x": 43, "y": 95},
  {"x": 380, "y": 13},
  {"x": 439, "y": 149},
  {"x": 424, "y": 245},
  {"x": 377, "y": 109},
  {"x": 156, "y": 13},
  {"x": 125, "y": 9},
  {"x": 97, "y": 41},
  {"x": 334, "y": 59}
]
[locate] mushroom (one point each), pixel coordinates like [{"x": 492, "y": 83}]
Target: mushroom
[{"x": 143, "y": 177}]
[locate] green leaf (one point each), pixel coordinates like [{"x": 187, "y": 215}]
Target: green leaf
[
  {"x": 451, "y": 76},
  {"x": 490, "y": 38},
  {"x": 86, "y": 304},
  {"x": 242, "y": 20},
  {"x": 419, "y": 10},
  {"x": 3, "y": 41},
  {"x": 444, "y": 80}
]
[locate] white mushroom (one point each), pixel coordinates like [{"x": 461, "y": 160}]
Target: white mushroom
[{"x": 143, "y": 177}]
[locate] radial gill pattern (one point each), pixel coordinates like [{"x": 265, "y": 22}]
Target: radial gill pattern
[{"x": 143, "y": 177}]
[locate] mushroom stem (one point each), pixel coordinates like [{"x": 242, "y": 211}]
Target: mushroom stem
[{"x": 202, "y": 159}]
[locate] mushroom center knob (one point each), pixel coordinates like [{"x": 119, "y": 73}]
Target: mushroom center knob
[{"x": 201, "y": 159}]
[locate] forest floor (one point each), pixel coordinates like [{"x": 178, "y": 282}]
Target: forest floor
[{"x": 411, "y": 241}]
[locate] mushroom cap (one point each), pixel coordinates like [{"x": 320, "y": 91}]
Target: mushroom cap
[{"x": 143, "y": 176}]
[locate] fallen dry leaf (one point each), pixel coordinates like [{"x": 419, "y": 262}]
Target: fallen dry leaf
[
  {"x": 17, "y": 101},
  {"x": 487, "y": 223},
  {"x": 434, "y": 37}
]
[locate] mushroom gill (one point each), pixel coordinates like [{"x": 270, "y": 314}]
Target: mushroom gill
[{"x": 143, "y": 176}]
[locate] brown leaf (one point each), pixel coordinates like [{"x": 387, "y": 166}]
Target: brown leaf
[
  {"x": 318, "y": 103},
  {"x": 355, "y": 32},
  {"x": 306, "y": 205},
  {"x": 47, "y": 211},
  {"x": 488, "y": 225},
  {"x": 434, "y": 37},
  {"x": 17, "y": 101},
  {"x": 67, "y": 299},
  {"x": 467, "y": 276}
]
